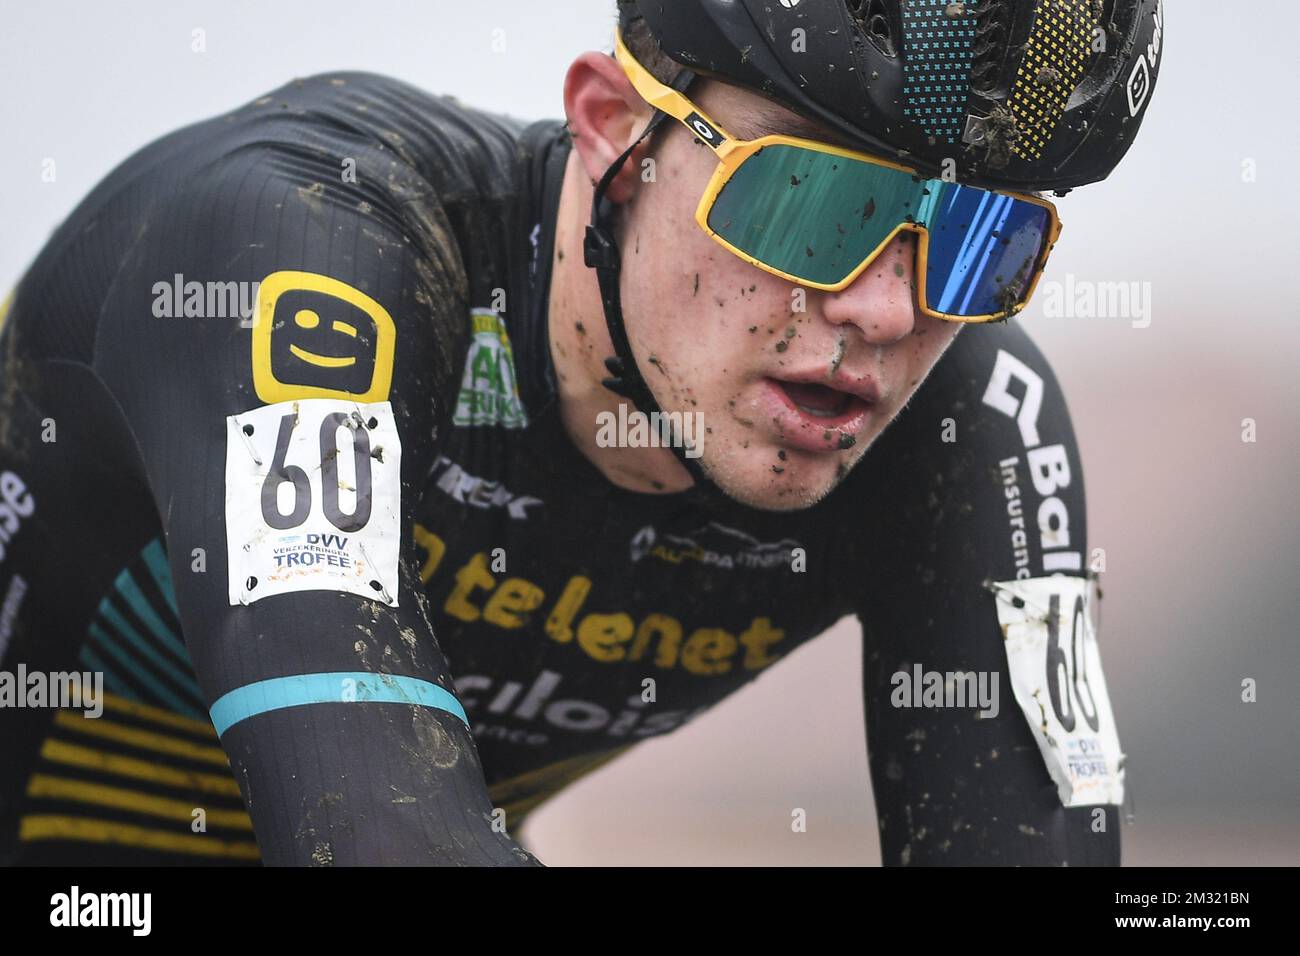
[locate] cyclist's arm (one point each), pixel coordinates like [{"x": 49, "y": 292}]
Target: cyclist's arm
[
  {"x": 336, "y": 765},
  {"x": 952, "y": 787}
]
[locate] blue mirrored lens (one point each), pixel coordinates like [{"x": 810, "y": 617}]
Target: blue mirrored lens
[{"x": 984, "y": 249}]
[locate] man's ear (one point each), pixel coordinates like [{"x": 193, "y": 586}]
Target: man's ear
[{"x": 606, "y": 114}]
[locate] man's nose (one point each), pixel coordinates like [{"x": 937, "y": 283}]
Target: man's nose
[{"x": 881, "y": 301}]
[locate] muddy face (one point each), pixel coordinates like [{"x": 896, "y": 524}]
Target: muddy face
[{"x": 792, "y": 385}]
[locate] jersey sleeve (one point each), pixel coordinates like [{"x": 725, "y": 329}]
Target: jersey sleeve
[
  {"x": 983, "y": 482},
  {"x": 283, "y": 336}
]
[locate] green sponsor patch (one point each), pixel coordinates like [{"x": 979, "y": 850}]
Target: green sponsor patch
[{"x": 489, "y": 389}]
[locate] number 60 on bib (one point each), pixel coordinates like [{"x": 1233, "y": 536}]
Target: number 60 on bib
[{"x": 313, "y": 499}]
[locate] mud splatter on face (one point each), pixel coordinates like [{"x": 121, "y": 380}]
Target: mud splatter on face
[{"x": 836, "y": 359}]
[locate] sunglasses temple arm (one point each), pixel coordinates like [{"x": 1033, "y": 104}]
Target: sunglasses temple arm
[
  {"x": 602, "y": 212},
  {"x": 600, "y": 252}
]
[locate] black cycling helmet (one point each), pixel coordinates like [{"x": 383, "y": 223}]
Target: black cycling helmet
[{"x": 1020, "y": 94}]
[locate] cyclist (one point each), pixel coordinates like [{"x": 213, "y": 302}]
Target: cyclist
[{"x": 397, "y": 463}]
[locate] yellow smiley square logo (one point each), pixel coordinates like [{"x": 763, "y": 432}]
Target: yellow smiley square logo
[{"x": 317, "y": 337}]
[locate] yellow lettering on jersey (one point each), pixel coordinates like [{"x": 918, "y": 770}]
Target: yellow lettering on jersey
[
  {"x": 757, "y": 639},
  {"x": 604, "y": 637},
  {"x": 434, "y": 546},
  {"x": 510, "y": 603},
  {"x": 669, "y": 630},
  {"x": 709, "y": 651},
  {"x": 560, "y": 624},
  {"x": 472, "y": 577}
]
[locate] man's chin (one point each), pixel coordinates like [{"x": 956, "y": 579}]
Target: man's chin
[{"x": 746, "y": 484}]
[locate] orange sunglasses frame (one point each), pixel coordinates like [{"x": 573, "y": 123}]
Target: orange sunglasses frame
[{"x": 733, "y": 152}]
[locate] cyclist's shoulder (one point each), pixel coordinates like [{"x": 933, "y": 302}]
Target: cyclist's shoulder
[
  {"x": 459, "y": 149},
  {"x": 379, "y": 133}
]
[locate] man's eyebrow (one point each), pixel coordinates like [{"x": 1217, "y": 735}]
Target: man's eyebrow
[{"x": 768, "y": 122}]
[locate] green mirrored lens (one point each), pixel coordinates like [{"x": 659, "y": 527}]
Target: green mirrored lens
[{"x": 811, "y": 214}]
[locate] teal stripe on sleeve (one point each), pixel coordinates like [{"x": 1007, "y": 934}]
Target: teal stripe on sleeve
[
  {"x": 162, "y": 694},
  {"x": 109, "y": 617},
  {"x": 131, "y": 592},
  {"x": 96, "y": 663},
  {"x": 156, "y": 558},
  {"x": 342, "y": 687}
]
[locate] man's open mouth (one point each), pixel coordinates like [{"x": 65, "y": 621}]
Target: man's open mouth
[
  {"x": 811, "y": 415},
  {"x": 819, "y": 401}
]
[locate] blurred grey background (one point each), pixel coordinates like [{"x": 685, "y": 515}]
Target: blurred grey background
[{"x": 1201, "y": 530}]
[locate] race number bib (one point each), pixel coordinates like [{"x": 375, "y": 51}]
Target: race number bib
[
  {"x": 313, "y": 499},
  {"x": 1056, "y": 675}
]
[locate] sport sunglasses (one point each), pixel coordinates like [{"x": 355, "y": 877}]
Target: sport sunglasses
[{"x": 818, "y": 216}]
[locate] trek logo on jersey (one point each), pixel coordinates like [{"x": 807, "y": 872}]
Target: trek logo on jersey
[
  {"x": 479, "y": 492},
  {"x": 317, "y": 337},
  {"x": 715, "y": 545},
  {"x": 489, "y": 389}
]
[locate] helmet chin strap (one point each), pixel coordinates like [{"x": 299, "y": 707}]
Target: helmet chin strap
[{"x": 600, "y": 251}]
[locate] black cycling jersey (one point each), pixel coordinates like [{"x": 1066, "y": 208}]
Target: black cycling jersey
[{"x": 348, "y": 241}]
